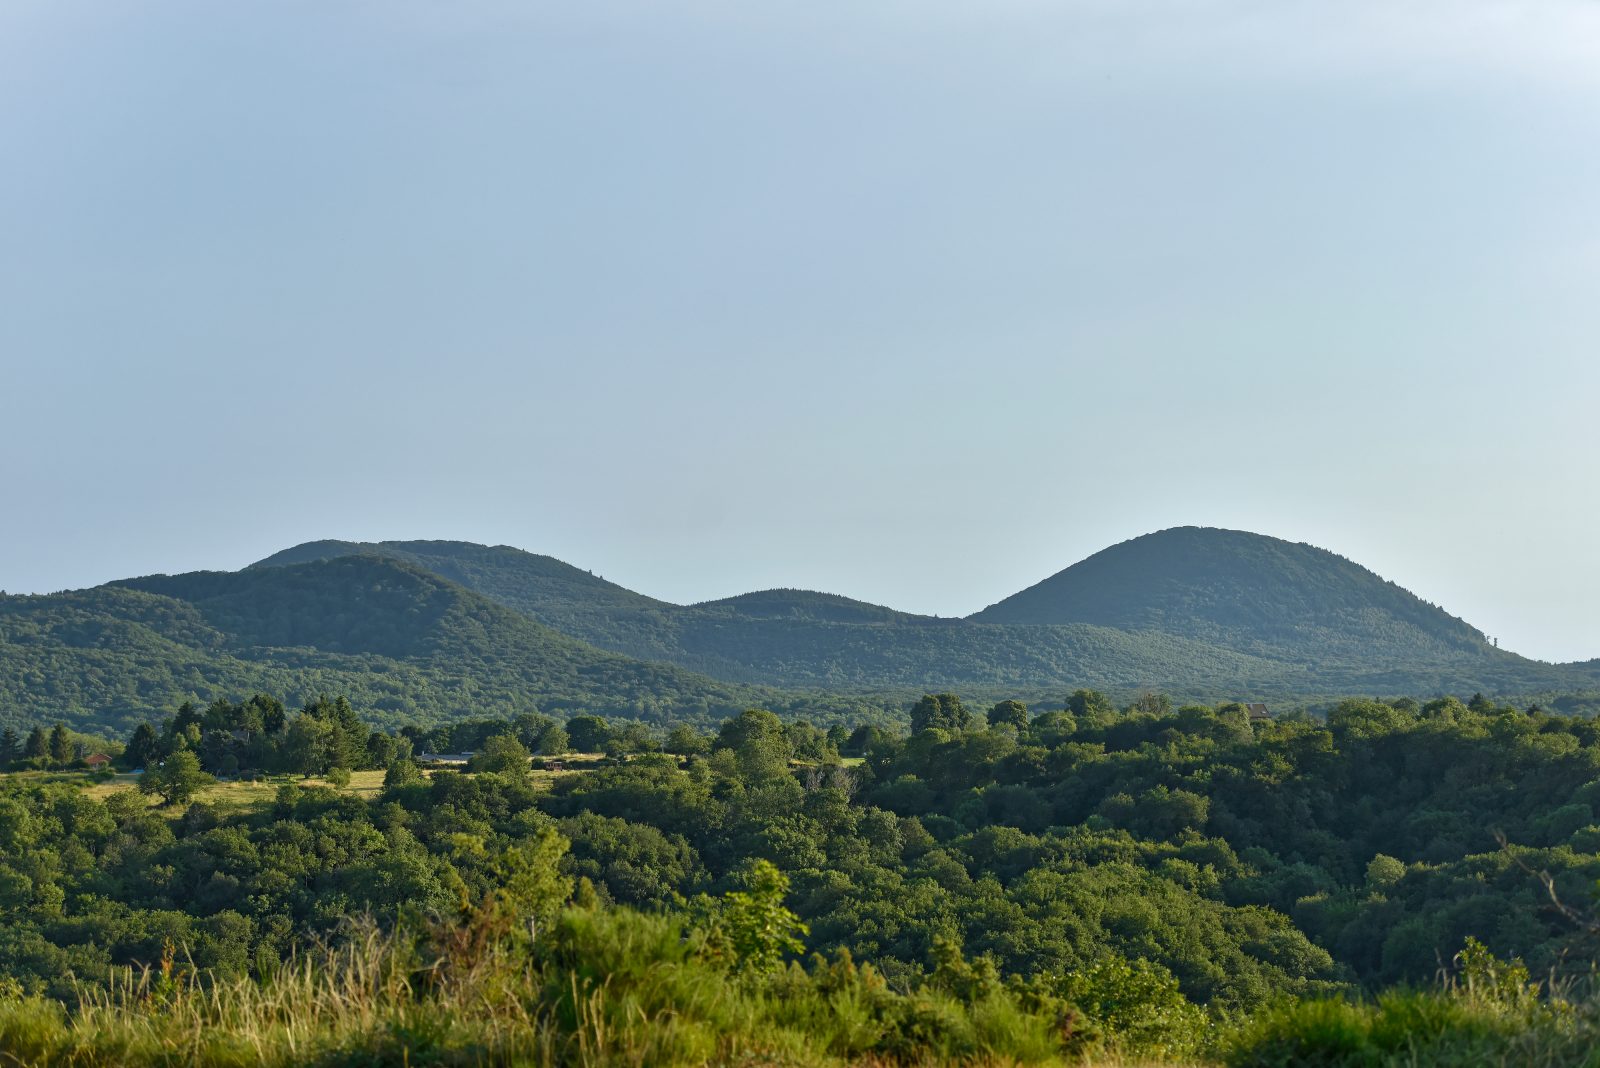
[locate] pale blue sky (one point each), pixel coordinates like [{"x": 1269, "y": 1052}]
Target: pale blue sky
[{"x": 917, "y": 302}]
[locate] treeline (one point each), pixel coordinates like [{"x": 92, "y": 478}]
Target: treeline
[
  {"x": 326, "y": 736},
  {"x": 1156, "y": 870},
  {"x": 50, "y": 749},
  {"x": 405, "y": 647}
]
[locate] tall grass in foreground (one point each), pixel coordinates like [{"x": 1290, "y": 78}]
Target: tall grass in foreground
[
  {"x": 1486, "y": 1014},
  {"x": 602, "y": 987}
]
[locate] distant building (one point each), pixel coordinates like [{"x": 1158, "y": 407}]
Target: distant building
[
  {"x": 454, "y": 759},
  {"x": 98, "y": 761},
  {"x": 1258, "y": 712}
]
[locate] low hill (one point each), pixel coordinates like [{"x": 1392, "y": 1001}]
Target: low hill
[
  {"x": 1204, "y": 613},
  {"x": 401, "y": 642},
  {"x": 805, "y": 605},
  {"x": 1248, "y": 592},
  {"x": 542, "y": 588}
]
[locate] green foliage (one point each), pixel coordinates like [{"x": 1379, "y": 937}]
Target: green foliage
[
  {"x": 1197, "y": 610},
  {"x": 1092, "y": 882},
  {"x": 1139, "y": 1003},
  {"x": 940, "y": 711},
  {"x": 400, "y": 642},
  {"x": 758, "y": 929},
  {"x": 177, "y": 779},
  {"x": 503, "y": 754},
  {"x": 402, "y": 773},
  {"x": 1009, "y": 713},
  {"x": 1411, "y": 1028}
]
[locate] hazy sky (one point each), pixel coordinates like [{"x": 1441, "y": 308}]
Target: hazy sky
[{"x": 918, "y": 302}]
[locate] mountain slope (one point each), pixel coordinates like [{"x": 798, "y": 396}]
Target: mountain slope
[
  {"x": 1200, "y": 612},
  {"x": 804, "y": 605},
  {"x": 401, "y": 642},
  {"x": 542, "y": 588},
  {"x": 1246, "y": 591}
]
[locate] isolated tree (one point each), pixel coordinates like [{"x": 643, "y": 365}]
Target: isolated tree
[
  {"x": 403, "y": 772},
  {"x": 1009, "y": 713},
  {"x": 553, "y": 740},
  {"x": 176, "y": 779},
  {"x": 503, "y": 754},
  {"x": 942, "y": 711}
]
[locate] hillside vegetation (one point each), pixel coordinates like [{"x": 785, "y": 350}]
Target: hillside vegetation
[
  {"x": 440, "y": 631},
  {"x": 1245, "y": 591},
  {"x": 1167, "y": 885},
  {"x": 405, "y": 644},
  {"x": 1198, "y": 611}
]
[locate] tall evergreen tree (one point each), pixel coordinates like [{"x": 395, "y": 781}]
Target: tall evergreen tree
[
  {"x": 63, "y": 750},
  {"x": 143, "y": 748},
  {"x": 37, "y": 745},
  {"x": 10, "y": 747}
]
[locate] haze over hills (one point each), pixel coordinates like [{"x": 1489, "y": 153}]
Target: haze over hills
[
  {"x": 1246, "y": 591},
  {"x": 430, "y": 630},
  {"x": 401, "y": 642},
  {"x": 1201, "y": 609}
]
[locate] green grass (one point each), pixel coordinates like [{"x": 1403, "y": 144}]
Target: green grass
[
  {"x": 1403, "y": 1028},
  {"x": 597, "y": 988},
  {"x": 237, "y": 794}
]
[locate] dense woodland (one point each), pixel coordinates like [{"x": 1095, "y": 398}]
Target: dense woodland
[
  {"x": 435, "y": 632},
  {"x": 1194, "y": 610},
  {"x": 404, "y": 645},
  {"x": 1148, "y": 877},
  {"x": 549, "y": 820}
]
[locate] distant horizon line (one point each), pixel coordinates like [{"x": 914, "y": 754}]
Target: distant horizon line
[{"x": 396, "y": 542}]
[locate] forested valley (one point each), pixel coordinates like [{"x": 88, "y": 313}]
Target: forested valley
[{"x": 1399, "y": 880}]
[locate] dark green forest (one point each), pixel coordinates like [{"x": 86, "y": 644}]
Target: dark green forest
[
  {"x": 1167, "y": 882},
  {"x": 431, "y": 632},
  {"x": 1207, "y": 613},
  {"x": 405, "y": 645},
  {"x": 430, "y": 802}
]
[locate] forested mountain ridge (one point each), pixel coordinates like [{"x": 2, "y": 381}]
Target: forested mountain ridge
[
  {"x": 1201, "y": 611},
  {"x": 400, "y": 640},
  {"x": 1248, "y": 591},
  {"x": 437, "y": 631}
]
